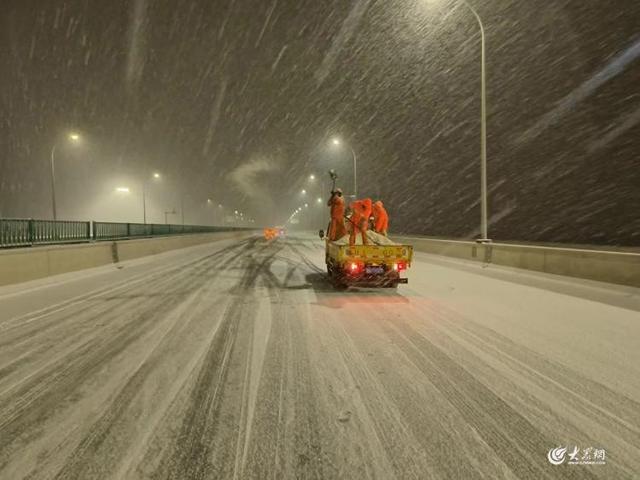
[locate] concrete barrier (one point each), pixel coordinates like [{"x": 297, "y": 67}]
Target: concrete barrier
[
  {"x": 131, "y": 249},
  {"x": 24, "y": 264},
  {"x": 601, "y": 265}
]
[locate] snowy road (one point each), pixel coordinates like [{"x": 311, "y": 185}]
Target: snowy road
[{"x": 238, "y": 360}]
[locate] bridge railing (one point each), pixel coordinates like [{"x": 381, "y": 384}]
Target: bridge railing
[
  {"x": 113, "y": 231},
  {"x": 20, "y": 232},
  {"x": 14, "y": 233}
]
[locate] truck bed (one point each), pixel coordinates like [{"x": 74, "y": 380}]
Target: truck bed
[
  {"x": 368, "y": 265},
  {"x": 370, "y": 253}
]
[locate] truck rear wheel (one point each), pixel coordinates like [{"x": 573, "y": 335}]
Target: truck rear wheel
[{"x": 335, "y": 277}]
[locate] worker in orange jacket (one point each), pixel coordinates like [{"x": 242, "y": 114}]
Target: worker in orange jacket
[
  {"x": 336, "y": 227},
  {"x": 380, "y": 218},
  {"x": 360, "y": 220}
]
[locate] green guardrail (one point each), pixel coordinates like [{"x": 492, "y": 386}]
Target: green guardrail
[
  {"x": 26, "y": 232},
  {"x": 18, "y": 232},
  {"x": 114, "y": 231}
]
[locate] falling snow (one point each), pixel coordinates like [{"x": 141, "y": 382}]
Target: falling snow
[{"x": 236, "y": 101}]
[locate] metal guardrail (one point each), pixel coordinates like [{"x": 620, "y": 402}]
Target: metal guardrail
[
  {"x": 14, "y": 233},
  {"x": 18, "y": 232},
  {"x": 26, "y": 232}
]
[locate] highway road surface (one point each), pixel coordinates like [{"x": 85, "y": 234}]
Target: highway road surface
[{"x": 237, "y": 360}]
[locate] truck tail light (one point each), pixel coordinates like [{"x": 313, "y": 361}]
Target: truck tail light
[
  {"x": 399, "y": 266},
  {"x": 354, "y": 268}
]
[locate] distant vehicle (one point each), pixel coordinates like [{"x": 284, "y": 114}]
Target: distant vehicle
[
  {"x": 367, "y": 265},
  {"x": 271, "y": 233}
]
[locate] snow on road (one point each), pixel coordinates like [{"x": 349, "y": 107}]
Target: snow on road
[{"x": 238, "y": 360}]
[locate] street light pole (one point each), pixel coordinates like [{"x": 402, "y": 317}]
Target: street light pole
[
  {"x": 483, "y": 131},
  {"x": 53, "y": 182},
  {"x": 74, "y": 137},
  {"x": 182, "y": 207},
  {"x": 222, "y": 220},
  {"x": 144, "y": 202},
  {"x": 336, "y": 141},
  {"x": 145, "y": 182},
  {"x": 321, "y": 194},
  {"x": 355, "y": 180}
]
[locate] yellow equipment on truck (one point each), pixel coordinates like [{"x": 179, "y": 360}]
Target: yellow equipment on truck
[{"x": 380, "y": 264}]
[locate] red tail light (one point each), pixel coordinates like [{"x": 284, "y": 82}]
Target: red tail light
[
  {"x": 354, "y": 268},
  {"x": 398, "y": 267}
]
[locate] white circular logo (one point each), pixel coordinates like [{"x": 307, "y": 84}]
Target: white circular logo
[{"x": 556, "y": 455}]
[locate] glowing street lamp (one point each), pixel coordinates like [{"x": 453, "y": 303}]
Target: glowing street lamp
[
  {"x": 337, "y": 142},
  {"x": 156, "y": 176},
  {"x": 73, "y": 138}
]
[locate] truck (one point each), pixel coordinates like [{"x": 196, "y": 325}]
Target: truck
[{"x": 373, "y": 265}]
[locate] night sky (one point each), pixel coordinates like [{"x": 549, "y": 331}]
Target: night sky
[{"x": 236, "y": 101}]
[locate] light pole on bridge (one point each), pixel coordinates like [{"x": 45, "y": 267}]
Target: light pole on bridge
[
  {"x": 155, "y": 176},
  {"x": 74, "y": 138},
  {"x": 337, "y": 142},
  {"x": 483, "y": 131}
]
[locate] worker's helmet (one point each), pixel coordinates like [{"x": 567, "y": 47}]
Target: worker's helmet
[
  {"x": 378, "y": 203},
  {"x": 338, "y": 190}
]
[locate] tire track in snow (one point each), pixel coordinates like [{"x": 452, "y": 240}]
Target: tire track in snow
[
  {"x": 32, "y": 403},
  {"x": 506, "y": 431},
  {"x": 202, "y": 419}
]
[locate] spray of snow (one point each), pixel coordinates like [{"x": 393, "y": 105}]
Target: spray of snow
[
  {"x": 252, "y": 180},
  {"x": 266, "y": 23},
  {"x": 494, "y": 219},
  {"x": 347, "y": 31},
  {"x": 629, "y": 121},
  {"x": 275, "y": 64},
  {"x": 214, "y": 116},
  {"x": 613, "y": 68},
  {"x": 135, "y": 54}
]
